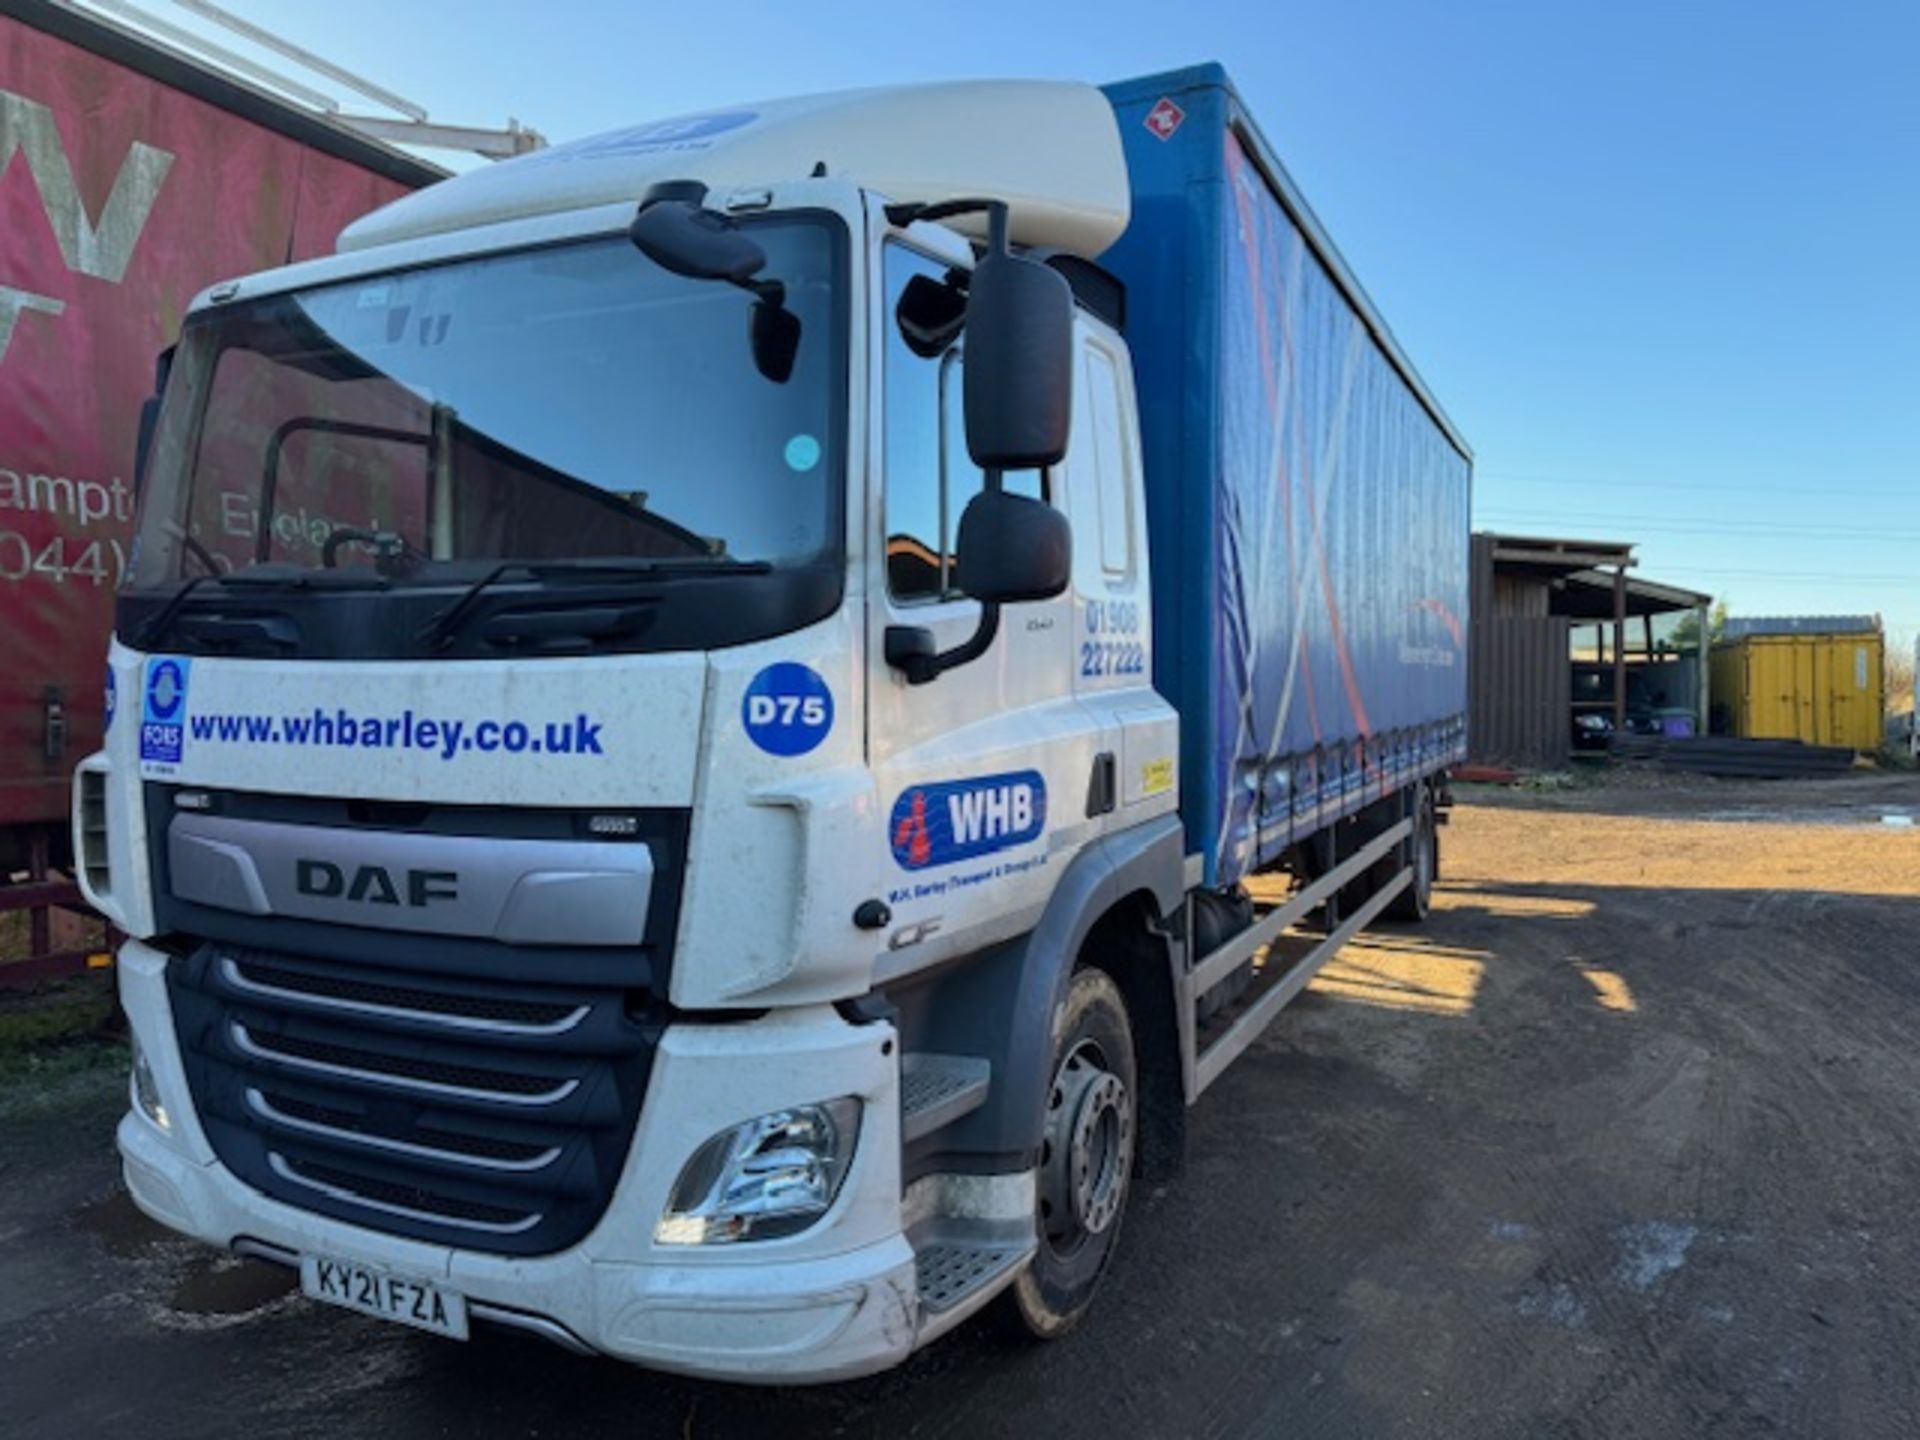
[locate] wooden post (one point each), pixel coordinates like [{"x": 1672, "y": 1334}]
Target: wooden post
[
  {"x": 1619, "y": 649},
  {"x": 1647, "y": 659},
  {"x": 1706, "y": 711},
  {"x": 39, "y": 926}
]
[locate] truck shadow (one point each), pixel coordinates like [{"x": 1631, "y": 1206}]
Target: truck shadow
[
  {"x": 1474, "y": 1168},
  {"x": 1480, "y": 1122}
]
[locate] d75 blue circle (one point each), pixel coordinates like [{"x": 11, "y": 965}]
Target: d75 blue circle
[{"x": 787, "y": 710}]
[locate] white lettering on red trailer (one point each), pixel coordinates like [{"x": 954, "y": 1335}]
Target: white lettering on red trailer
[{"x": 101, "y": 249}]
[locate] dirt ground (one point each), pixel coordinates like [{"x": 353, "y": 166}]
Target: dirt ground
[{"x": 1621, "y": 1144}]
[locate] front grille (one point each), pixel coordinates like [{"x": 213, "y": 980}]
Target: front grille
[
  {"x": 397, "y": 1198},
  {"x": 401, "y": 1070},
  {"x": 489, "y": 1114},
  {"x": 289, "y": 1110},
  {"x": 480, "y": 1007}
]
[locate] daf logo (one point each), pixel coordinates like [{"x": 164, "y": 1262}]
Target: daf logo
[{"x": 375, "y": 884}]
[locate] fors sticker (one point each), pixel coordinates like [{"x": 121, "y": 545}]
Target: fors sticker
[{"x": 163, "y": 709}]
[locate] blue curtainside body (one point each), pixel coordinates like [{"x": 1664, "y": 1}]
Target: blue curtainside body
[{"x": 1307, "y": 498}]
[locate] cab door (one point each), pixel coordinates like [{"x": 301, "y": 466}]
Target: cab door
[
  {"x": 1113, "y": 623},
  {"x": 982, "y": 772}
]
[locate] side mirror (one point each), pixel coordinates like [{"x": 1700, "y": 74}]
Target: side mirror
[
  {"x": 1012, "y": 548},
  {"x": 931, "y": 315},
  {"x": 675, "y": 231},
  {"x": 774, "y": 333},
  {"x": 1019, "y": 373},
  {"x": 1009, "y": 549}
]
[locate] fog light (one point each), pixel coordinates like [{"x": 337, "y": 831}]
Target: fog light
[
  {"x": 146, "y": 1094},
  {"x": 771, "y": 1176}
]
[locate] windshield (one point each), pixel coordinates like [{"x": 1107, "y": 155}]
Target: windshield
[{"x": 565, "y": 403}]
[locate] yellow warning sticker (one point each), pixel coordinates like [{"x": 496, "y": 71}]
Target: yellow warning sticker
[{"x": 1156, "y": 776}]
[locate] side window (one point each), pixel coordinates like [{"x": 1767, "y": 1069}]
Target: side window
[
  {"x": 929, "y": 475},
  {"x": 1111, "y": 481}
]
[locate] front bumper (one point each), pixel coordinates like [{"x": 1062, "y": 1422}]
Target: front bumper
[{"x": 836, "y": 1301}]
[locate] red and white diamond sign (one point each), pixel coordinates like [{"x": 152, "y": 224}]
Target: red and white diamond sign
[{"x": 1165, "y": 118}]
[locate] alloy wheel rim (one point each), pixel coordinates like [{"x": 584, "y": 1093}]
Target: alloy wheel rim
[{"x": 1087, "y": 1150}]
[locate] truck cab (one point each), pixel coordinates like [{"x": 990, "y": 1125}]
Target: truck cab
[{"x": 634, "y": 705}]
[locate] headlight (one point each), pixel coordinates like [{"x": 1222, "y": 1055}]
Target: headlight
[
  {"x": 771, "y": 1176},
  {"x": 146, "y": 1094}
]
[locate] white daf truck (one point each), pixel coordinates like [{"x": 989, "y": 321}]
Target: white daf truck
[{"x": 693, "y": 710}]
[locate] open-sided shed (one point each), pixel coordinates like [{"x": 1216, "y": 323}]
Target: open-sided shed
[{"x": 1531, "y": 596}]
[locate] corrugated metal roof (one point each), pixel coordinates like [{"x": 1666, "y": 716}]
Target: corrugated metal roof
[{"x": 1739, "y": 628}]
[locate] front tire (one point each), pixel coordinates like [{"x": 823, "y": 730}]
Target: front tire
[{"x": 1086, "y": 1160}]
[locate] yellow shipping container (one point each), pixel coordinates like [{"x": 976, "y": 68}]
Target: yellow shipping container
[{"x": 1823, "y": 688}]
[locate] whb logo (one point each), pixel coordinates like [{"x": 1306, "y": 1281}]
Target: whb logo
[
  {"x": 163, "y": 709},
  {"x": 962, "y": 819},
  {"x": 787, "y": 710},
  {"x": 690, "y": 127}
]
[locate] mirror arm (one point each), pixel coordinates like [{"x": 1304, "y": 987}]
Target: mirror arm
[
  {"x": 910, "y": 647},
  {"x": 905, "y": 213},
  {"x": 976, "y": 644},
  {"x": 772, "y": 292}
]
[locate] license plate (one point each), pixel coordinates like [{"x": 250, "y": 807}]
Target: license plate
[{"x": 391, "y": 1297}]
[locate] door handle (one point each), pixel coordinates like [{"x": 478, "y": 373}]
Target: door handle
[{"x": 1103, "y": 788}]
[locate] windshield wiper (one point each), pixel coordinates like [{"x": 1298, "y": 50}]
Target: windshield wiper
[
  {"x": 157, "y": 626},
  {"x": 441, "y": 629},
  {"x": 263, "y": 577}
]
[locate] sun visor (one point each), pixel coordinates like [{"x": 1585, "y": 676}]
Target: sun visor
[{"x": 1050, "y": 149}]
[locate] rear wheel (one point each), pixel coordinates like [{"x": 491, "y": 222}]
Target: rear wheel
[
  {"x": 1086, "y": 1160},
  {"x": 1422, "y": 852}
]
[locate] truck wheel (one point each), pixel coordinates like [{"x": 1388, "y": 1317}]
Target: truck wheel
[
  {"x": 1086, "y": 1160},
  {"x": 1423, "y": 854}
]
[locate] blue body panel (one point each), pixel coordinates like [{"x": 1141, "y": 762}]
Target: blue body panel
[{"x": 1307, "y": 506}]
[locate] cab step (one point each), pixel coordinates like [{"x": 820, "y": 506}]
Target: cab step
[
  {"x": 950, "y": 1273},
  {"x": 971, "y": 1234},
  {"x": 936, "y": 1090}
]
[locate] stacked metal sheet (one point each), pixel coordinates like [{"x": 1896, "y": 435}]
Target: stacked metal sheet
[{"x": 1745, "y": 759}]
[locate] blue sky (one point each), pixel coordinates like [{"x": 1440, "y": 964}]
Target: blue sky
[{"x": 1659, "y": 261}]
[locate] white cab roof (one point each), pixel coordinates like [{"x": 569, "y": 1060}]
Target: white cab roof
[{"x": 1050, "y": 149}]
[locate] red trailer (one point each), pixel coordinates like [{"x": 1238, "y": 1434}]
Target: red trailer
[{"x": 131, "y": 177}]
